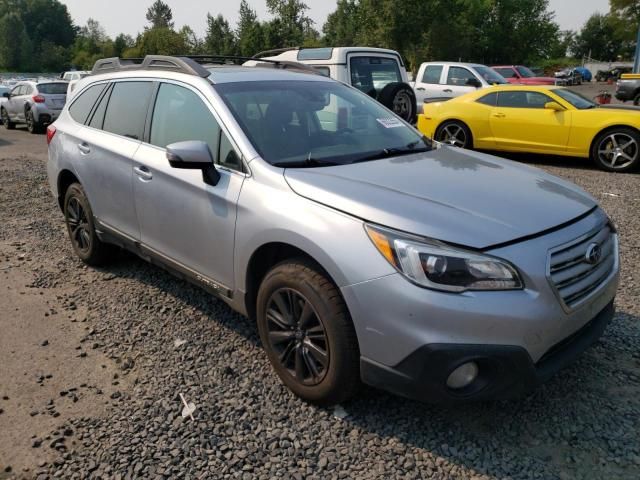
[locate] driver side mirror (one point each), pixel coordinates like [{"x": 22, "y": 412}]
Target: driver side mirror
[
  {"x": 6, "y": 94},
  {"x": 555, "y": 106},
  {"x": 474, "y": 82},
  {"x": 194, "y": 155}
]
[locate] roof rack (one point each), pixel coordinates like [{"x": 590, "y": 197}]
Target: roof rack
[
  {"x": 275, "y": 51},
  {"x": 150, "y": 62},
  {"x": 192, "y": 64}
]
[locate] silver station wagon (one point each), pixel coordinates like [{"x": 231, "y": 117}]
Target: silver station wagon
[{"x": 365, "y": 252}]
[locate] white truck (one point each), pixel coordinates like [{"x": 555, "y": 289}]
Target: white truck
[
  {"x": 441, "y": 81},
  {"x": 378, "y": 72}
]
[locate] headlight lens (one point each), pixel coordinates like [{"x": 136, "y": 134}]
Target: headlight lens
[{"x": 438, "y": 266}]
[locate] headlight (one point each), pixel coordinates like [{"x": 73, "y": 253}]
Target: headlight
[{"x": 438, "y": 266}]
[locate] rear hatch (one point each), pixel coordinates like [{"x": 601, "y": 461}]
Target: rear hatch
[{"x": 55, "y": 94}]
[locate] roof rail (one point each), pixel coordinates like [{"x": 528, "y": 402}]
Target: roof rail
[
  {"x": 150, "y": 62},
  {"x": 275, "y": 51},
  {"x": 192, "y": 64}
]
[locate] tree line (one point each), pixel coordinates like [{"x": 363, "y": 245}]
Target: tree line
[{"x": 39, "y": 35}]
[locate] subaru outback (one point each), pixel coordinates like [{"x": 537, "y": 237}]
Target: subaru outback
[{"x": 364, "y": 252}]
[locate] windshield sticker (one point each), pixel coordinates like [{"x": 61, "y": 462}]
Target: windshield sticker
[{"x": 390, "y": 122}]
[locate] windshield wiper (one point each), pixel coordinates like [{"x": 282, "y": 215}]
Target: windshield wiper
[
  {"x": 306, "y": 163},
  {"x": 395, "y": 152}
]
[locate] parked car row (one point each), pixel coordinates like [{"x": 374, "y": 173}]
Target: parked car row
[{"x": 36, "y": 104}]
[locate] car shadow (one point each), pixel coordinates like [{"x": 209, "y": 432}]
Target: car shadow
[{"x": 547, "y": 428}]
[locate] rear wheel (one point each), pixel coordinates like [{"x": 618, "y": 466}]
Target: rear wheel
[
  {"x": 454, "y": 133},
  {"x": 307, "y": 333},
  {"x": 617, "y": 150},
  {"x": 78, "y": 217},
  {"x": 32, "y": 125},
  {"x": 8, "y": 124}
]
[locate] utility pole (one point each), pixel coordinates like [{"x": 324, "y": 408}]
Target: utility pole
[{"x": 636, "y": 63}]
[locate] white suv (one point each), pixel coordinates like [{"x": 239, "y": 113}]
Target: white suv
[{"x": 438, "y": 81}]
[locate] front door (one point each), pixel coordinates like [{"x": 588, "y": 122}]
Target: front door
[
  {"x": 460, "y": 80},
  {"x": 520, "y": 121},
  {"x": 183, "y": 219}
]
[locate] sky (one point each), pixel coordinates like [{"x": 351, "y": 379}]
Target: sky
[{"x": 128, "y": 16}]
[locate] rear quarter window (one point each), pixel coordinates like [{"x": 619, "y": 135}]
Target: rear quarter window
[
  {"x": 53, "y": 88},
  {"x": 81, "y": 106},
  {"x": 490, "y": 99}
]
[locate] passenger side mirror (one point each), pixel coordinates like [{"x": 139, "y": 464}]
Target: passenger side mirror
[
  {"x": 474, "y": 82},
  {"x": 555, "y": 106},
  {"x": 194, "y": 155}
]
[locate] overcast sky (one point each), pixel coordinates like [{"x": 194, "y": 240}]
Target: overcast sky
[{"x": 128, "y": 16}]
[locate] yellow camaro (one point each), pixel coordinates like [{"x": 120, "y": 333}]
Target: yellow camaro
[{"x": 540, "y": 119}]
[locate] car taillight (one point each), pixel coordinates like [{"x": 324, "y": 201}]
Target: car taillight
[
  {"x": 51, "y": 131},
  {"x": 38, "y": 98}
]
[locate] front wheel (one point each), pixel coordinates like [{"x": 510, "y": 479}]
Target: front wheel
[
  {"x": 78, "y": 217},
  {"x": 617, "y": 150},
  {"x": 8, "y": 124},
  {"x": 307, "y": 333},
  {"x": 454, "y": 133}
]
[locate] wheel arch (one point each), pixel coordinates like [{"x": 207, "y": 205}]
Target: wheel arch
[
  {"x": 607, "y": 129},
  {"x": 263, "y": 259},
  {"x": 65, "y": 179}
]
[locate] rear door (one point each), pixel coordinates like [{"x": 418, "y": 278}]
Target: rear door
[
  {"x": 428, "y": 86},
  {"x": 458, "y": 81},
  {"x": 107, "y": 145},
  {"x": 520, "y": 122}
]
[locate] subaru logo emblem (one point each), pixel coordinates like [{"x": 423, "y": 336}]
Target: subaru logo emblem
[{"x": 594, "y": 253}]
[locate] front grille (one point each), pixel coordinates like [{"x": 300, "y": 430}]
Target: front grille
[{"x": 573, "y": 277}]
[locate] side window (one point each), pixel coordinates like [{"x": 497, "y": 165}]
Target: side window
[
  {"x": 26, "y": 90},
  {"x": 180, "y": 115},
  {"x": 81, "y": 106},
  {"x": 432, "y": 74},
  {"x": 520, "y": 99},
  {"x": 489, "y": 100},
  {"x": 507, "y": 72},
  {"x": 127, "y": 109},
  {"x": 16, "y": 91},
  {"x": 97, "y": 120},
  {"x": 459, "y": 77}
]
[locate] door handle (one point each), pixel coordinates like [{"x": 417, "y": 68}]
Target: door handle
[
  {"x": 447, "y": 90},
  {"x": 499, "y": 115},
  {"x": 84, "y": 148},
  {"x": 143, "y": 172},
  {"x": 420, "y": 89}
]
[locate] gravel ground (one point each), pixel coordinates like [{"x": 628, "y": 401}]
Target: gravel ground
[{"x": 584, "y": 423}]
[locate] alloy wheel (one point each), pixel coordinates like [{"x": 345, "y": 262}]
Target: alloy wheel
[
  {"x": 30, "y": 121},
  {"x": 618, "y": 150},
  {"x": 78, "y": 225},
  {"x": 297, "y": 336},
  {"x": 454, "y": 134}
]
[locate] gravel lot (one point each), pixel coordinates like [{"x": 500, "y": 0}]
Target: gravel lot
[{"x": 113, "y": 373}]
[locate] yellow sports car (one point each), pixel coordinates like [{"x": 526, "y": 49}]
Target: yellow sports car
[{"x": 540, "y": 119}]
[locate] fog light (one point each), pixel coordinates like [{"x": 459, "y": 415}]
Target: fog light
[{"x": 463, "y": 376}]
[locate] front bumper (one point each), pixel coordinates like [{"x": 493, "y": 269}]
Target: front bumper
[{"x": 505, "y": 371}]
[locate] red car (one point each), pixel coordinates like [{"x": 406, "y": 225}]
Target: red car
[{"x": 522, "y": 75}]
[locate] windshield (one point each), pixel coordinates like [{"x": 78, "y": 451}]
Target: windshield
[
  {"x": 490, "y": 75},
  {"x": 577, "y": 100},
  {"x": 314, "y": 123},
  {"x": 52, "y": 88},
  {"x": 525, "y": 72}
]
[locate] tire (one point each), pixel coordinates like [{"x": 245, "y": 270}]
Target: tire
[
  {"x": 617, "y": 150},
  {"x": 327, "y": 328},
  {"x": 636, "y": 100},
  {"x": 401, "y": 99},
  {"x": 32, "y": 125},
  {"x": 454, "y": 133},
  {"x": 8, "y": 124},
  {"x": 79, "y": 219}
]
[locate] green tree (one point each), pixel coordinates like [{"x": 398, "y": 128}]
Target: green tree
[
  {"x": 15, "y": 46},
  {"x": 597, "y": 39},
  {"x": 341, "y": 27},
  {"x": 159, "y": 41},
  {"x": 194, "y": 45},
  {"x": 250, "y": 33},
  {"x": 220, "y": 39},
  {"x": 625, "y": 20},
  {"x": 121, "y": 43},
  {"x": 291, "y": 25},
  {"x": 48, "y": 21},
  {"x": 160, "y": 15}
]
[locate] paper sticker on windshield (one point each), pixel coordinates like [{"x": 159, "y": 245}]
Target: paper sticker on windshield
[{"x": 390, "y": 122}]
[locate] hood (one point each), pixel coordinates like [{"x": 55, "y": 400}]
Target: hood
[{"x": 457, "y": 196}]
